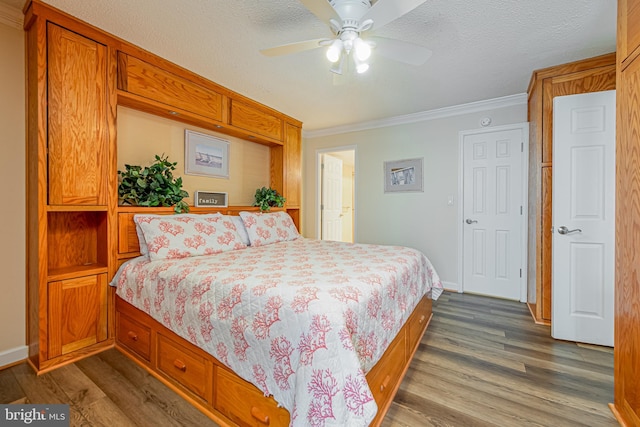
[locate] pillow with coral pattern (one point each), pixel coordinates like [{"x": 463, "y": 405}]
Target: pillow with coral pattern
[
  {"x": 269, "y": 227},
  {"x": 186, "y": 235}
]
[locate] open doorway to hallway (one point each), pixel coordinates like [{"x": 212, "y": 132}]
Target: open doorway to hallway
[{"x": 336, "y": 180}]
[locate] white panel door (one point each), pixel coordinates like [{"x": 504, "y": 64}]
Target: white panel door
[
  {"x": 331, "y": 209},
  {"x": 492, "y": 209},
  {"x": 583, "y": 218}
]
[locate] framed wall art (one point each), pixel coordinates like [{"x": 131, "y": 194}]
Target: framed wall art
[
  {"x": 403, "y": 175},
  {"x": 205, "y": 155}
]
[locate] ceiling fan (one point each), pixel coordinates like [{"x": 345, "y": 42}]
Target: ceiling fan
[{"x": 349, "y": 20}]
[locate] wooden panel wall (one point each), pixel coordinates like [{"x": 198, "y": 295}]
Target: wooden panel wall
[{"x": 626, "y": 405}]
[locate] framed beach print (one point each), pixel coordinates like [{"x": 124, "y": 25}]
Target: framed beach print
[
  {"x": 403, "y": 175},
  {"x": 205, "y": 155}
]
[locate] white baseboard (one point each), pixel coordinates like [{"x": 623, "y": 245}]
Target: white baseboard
[
  {"x": 13, "y": 355},
  {"x": 450, "y": 286}
]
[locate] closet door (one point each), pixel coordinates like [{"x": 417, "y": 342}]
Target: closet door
[{"x": 77, "y": 112}]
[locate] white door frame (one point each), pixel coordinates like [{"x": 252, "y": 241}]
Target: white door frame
[
  {"x": 318, "y": 198},
  {"x": 524, "y": 127}
]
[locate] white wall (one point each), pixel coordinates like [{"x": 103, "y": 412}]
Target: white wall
[
  {"x": 420, "y": 220},
  {"x": 12, "y": 176}
]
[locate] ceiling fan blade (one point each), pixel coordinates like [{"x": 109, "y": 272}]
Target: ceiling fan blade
[
  {"x": 322, "y": 9},
  {"x": 290, "y": 48},
  {"x": 401, "y": 51},
  {"x": 385, "y": 11}
]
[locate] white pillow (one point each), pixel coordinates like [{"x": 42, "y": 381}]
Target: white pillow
[
  {"x": 180, "y": 236},
  {"x": 242, "y": 231},
  {"x": 144, "y": 250},
  {"x": 269, "y": 227}
]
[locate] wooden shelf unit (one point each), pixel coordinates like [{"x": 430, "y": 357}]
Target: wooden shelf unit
[
  {"x": 77, "y": 75},
  {"x": 70, "y": 147},
  {"x": 76, "y": 239}
]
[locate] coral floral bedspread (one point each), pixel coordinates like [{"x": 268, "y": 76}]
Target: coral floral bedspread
[{"x": 303, "y": 320}]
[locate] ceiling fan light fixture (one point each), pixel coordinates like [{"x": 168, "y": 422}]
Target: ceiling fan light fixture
[
  {"x": 361, "y": 66},
  {"x": 362, "y": 49},
  {"x": 348, "y": 19},
  {"x": 334, "y": 51},
  {"x": 336, "y": 67}
]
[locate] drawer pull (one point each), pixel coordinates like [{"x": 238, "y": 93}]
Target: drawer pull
[
  {"x": 179, "y": 364},
  {"x": 422, "y": 319},
  {"x": 385, "y": 383},
  {"x": 259, "y": 415},
  {"x": 133, "y": 335}
]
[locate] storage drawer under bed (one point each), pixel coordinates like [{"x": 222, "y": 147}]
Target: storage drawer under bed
[{"x": 184, "y": 366}]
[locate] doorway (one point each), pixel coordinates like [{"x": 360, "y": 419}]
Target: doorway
[
  {"x": 336, "y": 194},
  {"x": 492, "y": 211}
]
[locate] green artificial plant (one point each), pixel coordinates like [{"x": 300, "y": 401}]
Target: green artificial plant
[
  {"x": 152, "y": 185},
  {"x": 267, "y": 198}
]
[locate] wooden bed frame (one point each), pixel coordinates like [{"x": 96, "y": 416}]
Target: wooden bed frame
[{"x": 210, "y": 386}]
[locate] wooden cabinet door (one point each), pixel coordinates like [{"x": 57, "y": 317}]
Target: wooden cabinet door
[
  {"x": 627, "y": 291},
  {"x": 253, "y": 119},
  {"x": 78, "y": 119},
  {"x": 292, "y": 165},
  {"x": 77, "y": 313},
  {"x": 155, "y": 84},
  {"x": 545, "y": 251}
]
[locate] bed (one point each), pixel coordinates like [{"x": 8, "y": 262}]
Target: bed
[{"x": 283, "y": 331}]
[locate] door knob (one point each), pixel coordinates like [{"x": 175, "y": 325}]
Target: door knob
[
  {"x": 565, "y": 230},
  {"x": 471, "y": 221}
]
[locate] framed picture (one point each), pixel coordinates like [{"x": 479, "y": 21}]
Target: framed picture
[
  {"x": 205, "y": 155},
  {"x": 403, "y": 175}
]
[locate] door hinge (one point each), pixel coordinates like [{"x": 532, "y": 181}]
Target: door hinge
[
  {"x": 522, "y": 147},
  {"x": 520, "y": 209},
  {"x": 521, "y": 273}
]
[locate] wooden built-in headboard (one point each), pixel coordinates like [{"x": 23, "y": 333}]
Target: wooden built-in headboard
[
  {"x": 128, "y": 245},
  {"x": 78, "y": 236}
]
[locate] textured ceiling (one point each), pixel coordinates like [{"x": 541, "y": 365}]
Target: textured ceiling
[{"x": 481, "y": 50}]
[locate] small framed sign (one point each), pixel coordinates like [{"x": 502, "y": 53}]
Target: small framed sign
[{"x": 209, "y": 199}]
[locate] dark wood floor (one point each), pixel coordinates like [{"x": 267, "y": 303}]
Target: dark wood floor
[{"x": 482, "y": 362}]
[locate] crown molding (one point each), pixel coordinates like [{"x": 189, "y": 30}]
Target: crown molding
[
  {"x": 456, "y": 110},
  {"x": 11, "y": 16}
]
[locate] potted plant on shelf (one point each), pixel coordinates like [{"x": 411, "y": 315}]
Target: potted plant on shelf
[
  {"x": 152, "y": 185},
  {"x": 266, "y": 198}
]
